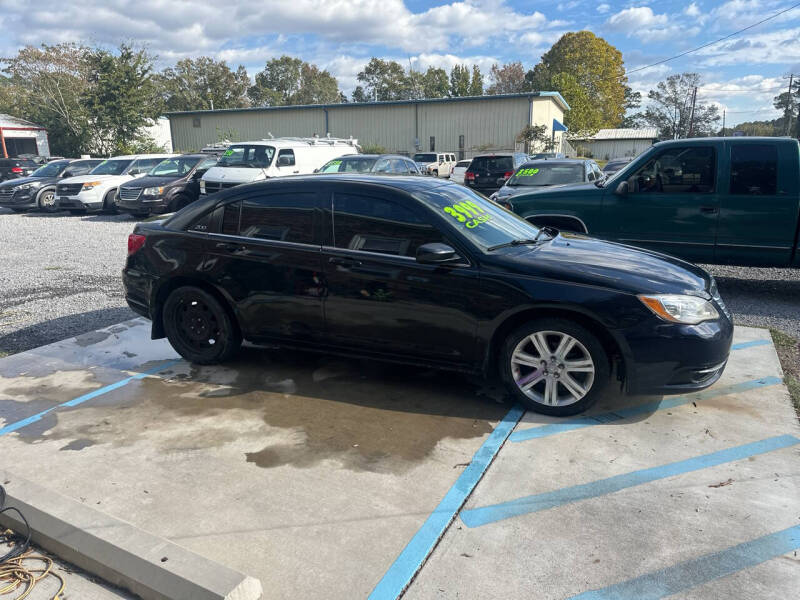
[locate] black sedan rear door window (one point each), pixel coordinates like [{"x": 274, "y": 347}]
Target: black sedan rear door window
[
  {"x": 378, "y": 225},
  {"x": 286, "y": 217}
]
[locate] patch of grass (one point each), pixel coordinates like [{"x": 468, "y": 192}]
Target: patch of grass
[{"x": 789, "y": 353}]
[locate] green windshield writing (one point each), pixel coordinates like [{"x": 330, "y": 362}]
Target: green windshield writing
[
  {"x": 228, "y": 153},
  {"x": 470, "y": 213},
  {"x": 526, "y": 172}
]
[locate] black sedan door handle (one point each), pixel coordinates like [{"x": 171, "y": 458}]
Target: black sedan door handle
[
  {"x": 345, "y": 261},
  {"x": 709, "y": 210}
]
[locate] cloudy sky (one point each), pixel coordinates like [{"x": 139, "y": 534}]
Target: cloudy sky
[{"x": 741, "y": 74}]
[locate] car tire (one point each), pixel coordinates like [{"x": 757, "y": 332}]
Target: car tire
[
  {"x": 46, "y": 200},
  {"x": 177, "y": 203},
  {"x": 109, "y": 206},
  {"x": 543, "y": 377},
  {"x": 199, "y": 327}
]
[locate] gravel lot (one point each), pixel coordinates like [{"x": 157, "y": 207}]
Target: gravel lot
[{"x": 60, "y": 277}]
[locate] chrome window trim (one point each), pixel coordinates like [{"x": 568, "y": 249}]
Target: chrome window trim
[{"x": 262, "y": 240}]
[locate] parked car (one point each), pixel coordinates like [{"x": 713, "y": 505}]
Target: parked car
[
  {"x": 412, "y": 269},
  {"x": 487, "y": 173},
  {"x": 547, "y": 155},
  {"x": 457, "y": 174},
  {"x": 247, "y": 162},
  {"x": 732, "y": 200},
  {"x": 377, "y": 164},
  {"x": 38, "y": 190},
  {"x": 98, "y": 190},
  {"x": 11, "y": 168},
  {"x": 437, "y": 164},
  {"x": 169, "y": 186},
  {"x": 546, "y": 173},
  {"x": 615, "y": 164}
]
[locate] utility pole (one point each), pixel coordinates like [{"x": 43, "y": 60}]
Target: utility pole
[
  {"x": 691, "y": 115},
  {"x": 789, "y": 107},
  {"x": 723, "y": 121}
]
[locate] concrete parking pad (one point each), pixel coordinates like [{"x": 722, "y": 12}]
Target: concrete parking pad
[
  {"x": 310, "y": 473},
  {"x": 686, "y": 497},
  {"x": 331, "y": 478}
]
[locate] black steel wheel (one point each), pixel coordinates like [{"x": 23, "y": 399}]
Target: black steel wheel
[{"x": 198, "y": 326}]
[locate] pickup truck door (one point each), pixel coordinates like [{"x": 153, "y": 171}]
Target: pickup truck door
[
  {"x": 759, "y": 213},
  {"x": 671, "y": 205}
]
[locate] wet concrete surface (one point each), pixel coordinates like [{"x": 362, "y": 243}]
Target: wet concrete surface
[{"x": 316, "y": 466}]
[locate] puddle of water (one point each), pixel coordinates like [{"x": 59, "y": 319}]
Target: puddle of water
[{"x": 366, "y": 415}]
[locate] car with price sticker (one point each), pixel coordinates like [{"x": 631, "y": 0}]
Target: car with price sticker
[
  {"x": 538, "y": 174},
  {"x": 426, "y": 271}
]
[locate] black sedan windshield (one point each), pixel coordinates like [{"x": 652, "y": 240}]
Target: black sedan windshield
[
  {"x": 483, "y": 222},
  {"x": 547, "y": 174},
  {"x": 52, "y": 169}
]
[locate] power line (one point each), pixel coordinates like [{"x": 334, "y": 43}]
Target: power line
[{"x": 730, "y": 35}]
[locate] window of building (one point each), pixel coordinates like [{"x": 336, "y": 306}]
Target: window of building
[
  {"x": 377, "y": 225},
  {"x": 754, "y": 169},
  {"x": 196, "y": 122},
  {"x": 433, "y": 144}
]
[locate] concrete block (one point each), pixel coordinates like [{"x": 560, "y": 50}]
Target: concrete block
[{"x": 145, "y": 564}]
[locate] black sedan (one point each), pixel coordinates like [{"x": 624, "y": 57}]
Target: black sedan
[
  {"x": 420, "y": 270},
  {"x": 37, "y": 190}
]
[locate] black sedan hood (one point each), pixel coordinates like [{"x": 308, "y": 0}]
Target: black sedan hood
[
  {"x": 145, "y": 182},
  {"x": 584, "y": 260},
  {"x": 25, "y": 180}
]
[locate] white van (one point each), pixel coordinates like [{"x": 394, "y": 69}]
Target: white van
[{"x": 245, "y": 162}]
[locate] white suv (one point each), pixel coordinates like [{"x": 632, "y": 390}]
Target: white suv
[
  {"x": 438, "y": 164},
  {"x": 98, "y": 189},
  {"x": 244, "y": 162}
]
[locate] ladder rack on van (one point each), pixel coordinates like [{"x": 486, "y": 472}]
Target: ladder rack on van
[{"x": 311, "y": 141}]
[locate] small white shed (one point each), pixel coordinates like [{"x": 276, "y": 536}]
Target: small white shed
[
  {"x": 616, "y": 143},
  {"x": 18, "y": 136}
]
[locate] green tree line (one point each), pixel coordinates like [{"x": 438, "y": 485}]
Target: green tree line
[{"x": 98, "y": 101}]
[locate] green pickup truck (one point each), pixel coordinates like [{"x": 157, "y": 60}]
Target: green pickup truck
[{"x": 732, "y": 200}]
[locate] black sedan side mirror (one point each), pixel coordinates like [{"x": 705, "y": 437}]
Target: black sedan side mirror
[
  {"x": 622, "y": 189},
  {"x": 435, "y": 253}
]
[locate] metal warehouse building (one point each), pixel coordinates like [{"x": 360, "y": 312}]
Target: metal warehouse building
[
  {"x": 616, "y": 143},
  {"x": 465, "y": 126}
]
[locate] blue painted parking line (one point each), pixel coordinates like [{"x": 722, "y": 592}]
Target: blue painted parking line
[
  {"x": 538, "y": 502},
  {"x": 692, "y": 573},
  {"x": 752, "y": 344},
  {"x": 421, "y": 545},
  {"x": 85, "y": 397},
  {"x": 640, "y": 409}
]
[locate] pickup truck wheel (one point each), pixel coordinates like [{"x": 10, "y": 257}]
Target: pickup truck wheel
[
  {"x": 109, "y": 205},
  {"x": 198, "y": 326},
  {"x": 554, "y": 366},
  {"x": 46, "y": 200}
]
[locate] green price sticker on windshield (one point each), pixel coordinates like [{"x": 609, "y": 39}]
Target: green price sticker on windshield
[
  {"x": 527, "y": 172},
  {"x": 470, "y": 213},
  {"x": 228, "y": 153}
]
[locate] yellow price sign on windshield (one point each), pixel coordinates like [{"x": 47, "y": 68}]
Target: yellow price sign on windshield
[{"x": 468, "y": 212}]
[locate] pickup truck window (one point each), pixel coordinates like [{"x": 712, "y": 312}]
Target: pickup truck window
[
  {"x": 688, "y": 170},
  {"x": 754, "y": 169}
]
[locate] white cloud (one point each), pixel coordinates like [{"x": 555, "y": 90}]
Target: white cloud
[
  {"x": 692, "y": 10},
  {"x": 603, "y": 8},
  {"x": 632, "y": 19},
  {"x": 775, "y": 47}
]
